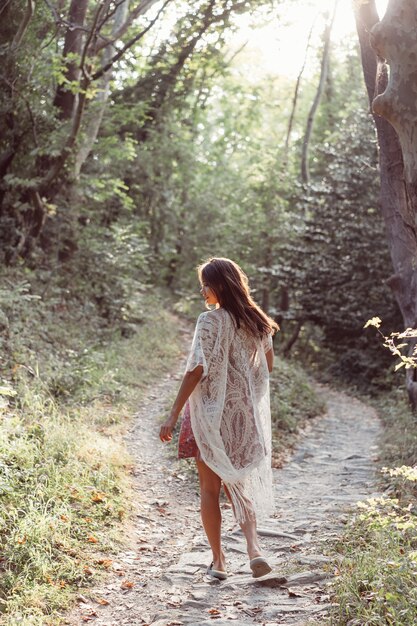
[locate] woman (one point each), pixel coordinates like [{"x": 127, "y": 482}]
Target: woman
[{"x": 227, "y": 384}]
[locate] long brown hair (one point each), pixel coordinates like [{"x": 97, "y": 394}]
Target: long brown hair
[{"x": 231, "y": 286}]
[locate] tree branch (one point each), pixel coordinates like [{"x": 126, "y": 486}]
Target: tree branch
[
  {"x": 90, "y": 36},
  {"x": 5, "y": 5},
  {"x": 128, "y": 45},
  {"x": 60, "y": 21},
  {"x": 305, "y": 173},
  {"x": 141, "y": 9},
  {"x": 296, "y": 90},
  {"x": 23, "y": 24}
]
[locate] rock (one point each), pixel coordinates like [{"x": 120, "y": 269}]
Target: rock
[
  {"x": 280, "y": 609},
  {"x": 195, "y": 560},
  {"x": 196, "y": 604},
  {"x": 306, "y": 578},
  {"x": 313, "y": 558},
  {"x": 270, "y": 580},
  {"x": 269, "y": 532}
]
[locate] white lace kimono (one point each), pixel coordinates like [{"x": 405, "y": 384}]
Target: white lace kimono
[{"x": 230, "y": 413}]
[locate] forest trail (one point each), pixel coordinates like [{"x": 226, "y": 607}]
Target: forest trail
[{"x": 161, "y": 580}]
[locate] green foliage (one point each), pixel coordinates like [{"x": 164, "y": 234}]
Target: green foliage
[
  {"x": 337, "y": 270},
  {"x": 64, "y": 471},
  {"x": 399, "y": 438},
  {"x": 398, "y": 342},
  {"x": 293, "y": 402},
  {"x": 61, "y": 494},
  {"x": 190, "y": 161},
  {"x": 378, "y": 568}
]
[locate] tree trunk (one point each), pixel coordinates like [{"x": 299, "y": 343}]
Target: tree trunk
[
  {"x": 393, "y": 105},
  {"x": 95, "y": 120},
  {"x": 305, "y": 170},
  {"x": 64, "y": 97},
  {"x": 286, "y": 349},
  {"x": 295, "y": 96},
  {"x": 30, "y": 8}
]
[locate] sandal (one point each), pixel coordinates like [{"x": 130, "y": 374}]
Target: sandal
[
  {"x": 260, "y": 567},
  {"x": 216, "y": 573}
]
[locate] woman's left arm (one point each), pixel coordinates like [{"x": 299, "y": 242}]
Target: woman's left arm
[{"x": 188, "y": 384}]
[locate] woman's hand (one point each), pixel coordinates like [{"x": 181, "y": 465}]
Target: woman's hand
[
  {"x": 189, "y": 381},
  {"x": 165, "y": 433}
]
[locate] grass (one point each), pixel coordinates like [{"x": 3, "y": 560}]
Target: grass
[
  {"x": 64, "y": 470},
  {"x": 376, "y": 557}
]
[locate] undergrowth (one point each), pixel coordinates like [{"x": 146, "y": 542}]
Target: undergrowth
[
  {"x": 293, "y": 402},
  {"x": 70, "y": 381},
  {"x": 376, "y": 582}
]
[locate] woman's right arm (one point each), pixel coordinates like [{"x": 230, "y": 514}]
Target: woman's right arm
[
  {"x": 270, "y": 359},
  {"x": 188, "y": 384}
]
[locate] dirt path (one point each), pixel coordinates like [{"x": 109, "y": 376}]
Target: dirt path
[{"x": 161, "y": 580}]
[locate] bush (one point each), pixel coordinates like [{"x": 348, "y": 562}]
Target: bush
[{"x": 293, "y": 402}]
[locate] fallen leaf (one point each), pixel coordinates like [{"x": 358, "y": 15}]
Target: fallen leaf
[
  {"x": 126, "y": 584},
  {"x": 98, "y": 497},
  {"x": 102, "y": 601},
  {"x": 105, "y": 562},
  {"x": 162, "y": 510},
  {"x": 214, "y": 611},
  {"x": 89, "y": 616},
  {"x": 92, "y": 539}
]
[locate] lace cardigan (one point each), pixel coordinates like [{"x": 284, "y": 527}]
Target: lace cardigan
[{"x": 230, "y": 412}]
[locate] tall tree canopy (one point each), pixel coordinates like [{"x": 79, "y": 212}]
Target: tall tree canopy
[{"x": 137, "y": 139}]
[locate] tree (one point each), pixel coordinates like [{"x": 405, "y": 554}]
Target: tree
[
  {"x": 51, "y": 66},
  {"x": 324, "y": 68},
  {"x": 393, "y": 41}
]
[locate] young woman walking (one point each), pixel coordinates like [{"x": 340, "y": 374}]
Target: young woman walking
[{"x": 227, "y": 421}]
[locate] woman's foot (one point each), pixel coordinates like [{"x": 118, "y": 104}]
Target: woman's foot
[
  {"x": 214, "y": 573},
  {"x": 259, "y": 566},
  {"x": 219, "y": 563}
]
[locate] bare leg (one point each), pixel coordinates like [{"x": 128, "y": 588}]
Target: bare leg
[
  {"x": 249, "y": 530},
  {"x": 210, "y": 485},
  {"x": 251, "y": 535}
]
